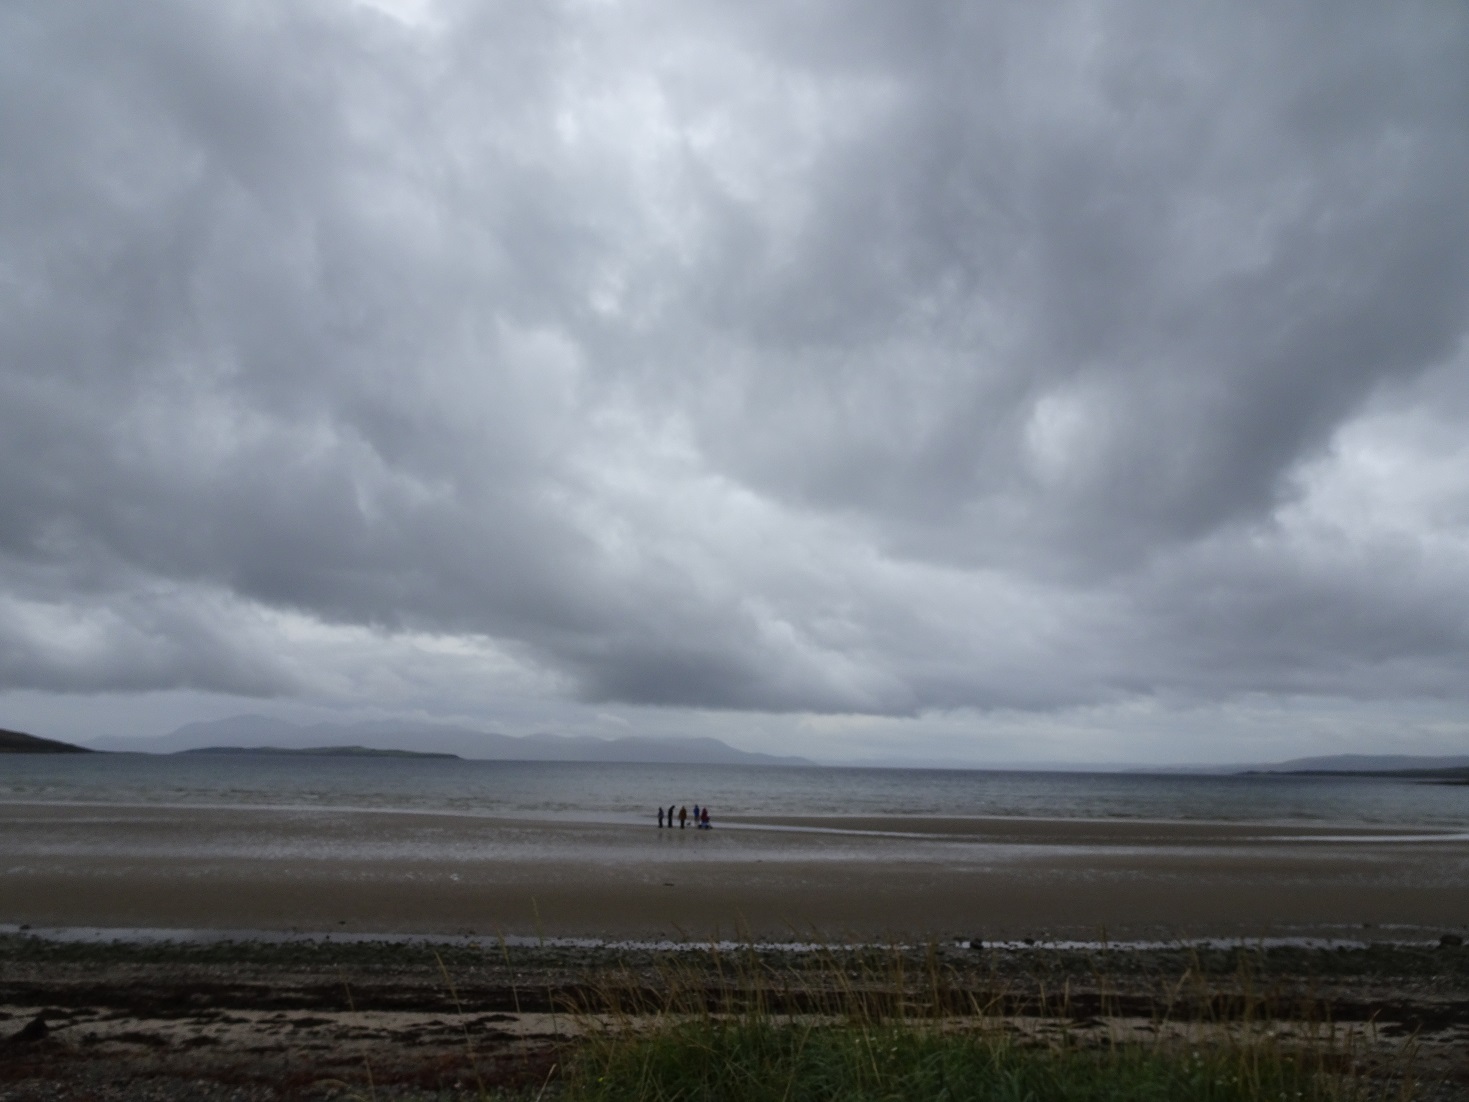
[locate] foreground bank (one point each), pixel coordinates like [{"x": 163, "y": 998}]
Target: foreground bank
[{"x": 315, "y": 1018}]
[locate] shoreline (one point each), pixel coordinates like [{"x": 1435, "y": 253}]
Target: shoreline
[
  {"x": 1424, "y": 937},
  {"x": 1000, "y": 829}
]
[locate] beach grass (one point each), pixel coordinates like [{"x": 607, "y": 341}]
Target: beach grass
[
  {"x": 494, "y": 1020},
  {"x": 861, "y": 1028},
  {"x": 763, "y": 1060}
]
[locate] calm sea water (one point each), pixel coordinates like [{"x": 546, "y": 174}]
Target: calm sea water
[{"x": 628, "y": 793}]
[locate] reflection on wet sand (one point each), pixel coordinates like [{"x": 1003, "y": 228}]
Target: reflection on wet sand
[{"x": 912, "y": 878}]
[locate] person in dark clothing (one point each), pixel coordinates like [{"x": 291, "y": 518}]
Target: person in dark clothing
[
  {"x": 683, "y": 815},
  {"x": 696, "y": 815},
  {"x": 660, "y": 818},
  {"x": 670, "y": 816},
  {"x": 704, "y": 822}
]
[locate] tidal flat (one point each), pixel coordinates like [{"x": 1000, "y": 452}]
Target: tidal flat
[{"x": 766, "y": 879}]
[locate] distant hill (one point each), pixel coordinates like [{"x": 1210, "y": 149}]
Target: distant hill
[
  {"x": 255, "y": 730},
  {"x": 1365, "y": 763},
  {"x": 18, "y": 742},
  {"x": 319, "y": 752}
]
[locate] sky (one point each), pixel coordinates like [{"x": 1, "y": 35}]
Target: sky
[{"x": 935, "y": 382}]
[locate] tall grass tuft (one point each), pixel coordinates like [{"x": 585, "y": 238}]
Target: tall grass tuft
[
  {"x": 767, "y": 1061},
  {"x": 864, "y": 1026}
]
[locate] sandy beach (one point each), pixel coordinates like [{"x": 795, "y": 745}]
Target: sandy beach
[
  {"x": 244, "y": 954},
  {"x": 867, "y": 879}
]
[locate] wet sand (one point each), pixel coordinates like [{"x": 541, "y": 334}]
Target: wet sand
[
  {"x": 1097, "y": 832},
  {"x": 380, "y": 872}
]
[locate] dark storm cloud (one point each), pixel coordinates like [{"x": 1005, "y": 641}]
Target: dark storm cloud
[
  {"x": 861, "y": 358},
  {"x": 1221, "y": 235}
]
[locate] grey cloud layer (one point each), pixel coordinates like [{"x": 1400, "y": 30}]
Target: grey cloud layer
[{"x": 793, "y": 357}]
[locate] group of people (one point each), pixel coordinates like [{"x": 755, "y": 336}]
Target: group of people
[{"x": 701, "y": 817}]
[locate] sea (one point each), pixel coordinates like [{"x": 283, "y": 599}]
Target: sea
[{"x": 631, "y": 793}]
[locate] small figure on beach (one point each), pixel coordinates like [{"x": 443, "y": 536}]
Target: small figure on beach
[
  {"x": 660, "y": 818},
  {"x": 704, "y": 822},
  {"x": 670, "y": 816},
  {"x": 683, "y": 815},
  {"x": 696, "y": 815}
]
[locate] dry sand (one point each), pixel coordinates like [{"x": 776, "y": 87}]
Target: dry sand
[{"x": 362, "y": 872}]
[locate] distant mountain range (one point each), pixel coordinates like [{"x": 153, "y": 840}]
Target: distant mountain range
[
  {"x": 320, "y": 752},
  {"x": 262, "y": 734},
  {"x": 254, "y": 731}
]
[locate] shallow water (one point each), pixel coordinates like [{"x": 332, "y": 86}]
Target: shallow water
[{"x": 578, "y": 792}]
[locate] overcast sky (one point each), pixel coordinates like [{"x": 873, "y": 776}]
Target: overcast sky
[{"x": 939, "y": 381}]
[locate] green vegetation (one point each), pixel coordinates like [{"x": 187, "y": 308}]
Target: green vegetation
[
  {"x": 1183, "y": 1024},
  {"x": 759, "y": 1058},
  {"x": 864, "y": 1028}
]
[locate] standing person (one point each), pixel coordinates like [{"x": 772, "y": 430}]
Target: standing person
[
  {"x": 704, "y": 822},
  {"x": 660, "y": 818},
  {"x": 683, "y": 815},
  {"x": 670, "y": 816},
  {"x": 696, "y": 815}
]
